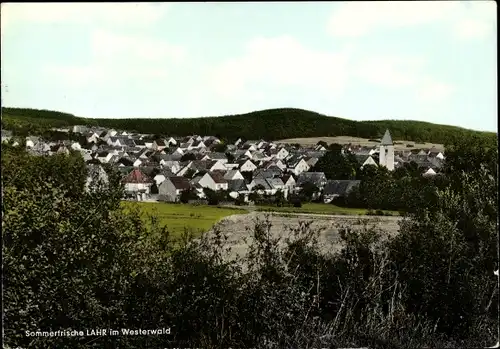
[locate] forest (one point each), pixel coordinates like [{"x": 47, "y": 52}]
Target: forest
[
  {"x": 272, "y": 124},
  {"x": 74, "y": 259}
]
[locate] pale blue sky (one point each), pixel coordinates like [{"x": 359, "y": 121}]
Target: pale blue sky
[{"x": 426, "y": 60}]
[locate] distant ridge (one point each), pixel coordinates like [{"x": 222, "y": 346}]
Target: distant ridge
[{"x": 269, "y": 124}]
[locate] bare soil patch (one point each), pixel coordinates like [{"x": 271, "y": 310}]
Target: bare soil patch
[{"x": 239, "y": 228}]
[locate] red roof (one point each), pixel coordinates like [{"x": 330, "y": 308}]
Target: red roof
[{"x": 136, "y": 176}]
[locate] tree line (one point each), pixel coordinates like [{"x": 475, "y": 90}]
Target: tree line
[{"x": 272, "y": 124}]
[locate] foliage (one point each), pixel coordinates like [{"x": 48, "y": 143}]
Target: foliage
[
  {"x": 309, "y": 190},
  {"x": 79, "y": 260},
  {"x": 272, "y": 124},
  {"x": 213, "y": 197},
  {"x": 188, "y": 157},
  {"x": 335, "y": 165}
]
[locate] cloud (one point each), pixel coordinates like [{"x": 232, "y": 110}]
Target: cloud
[
  {"x": 109, "y": 46},
  {"x": 117, "y": 58},
  {"x": 470, "y": 19},
  {"x": 83, "y": 13},
  {"x": 281, "y": 61},
  {"x": 405, "y": 72},
  {"x": 434, "y": 91},
  {"x": 390, "y": 70}
]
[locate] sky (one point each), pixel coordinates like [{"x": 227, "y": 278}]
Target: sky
[{"x": 431, "y": 61}]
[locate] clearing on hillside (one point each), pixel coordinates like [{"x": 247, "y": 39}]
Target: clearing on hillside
[{"x": 398, "y": 144}]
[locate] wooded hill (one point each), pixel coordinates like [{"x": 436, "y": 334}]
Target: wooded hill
[{"x": 271, "y": 124}]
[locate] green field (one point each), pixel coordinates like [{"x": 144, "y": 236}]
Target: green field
[
  {"x": 178, "y": 217},
  {"x": 317, "y": 208}
]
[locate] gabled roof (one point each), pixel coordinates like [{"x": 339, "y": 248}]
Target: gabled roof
[
  {"x": 237, "y": 185},
  {"x": 286, "y": 178},
  {"x": 137, "y": 176},
  {"x": 218, "y": 177},
  {"x": 340, "y": 187},
  {"x": 180, "y": 183},
  {"x": 260, "y": 173},
  {"x": 217, "y": 156},
  {"x": 229, "y": 174},
  {"x": 313, "y": 177},
  {"x": 275, "y": 183},
  {"x": 387, "y": 139},
  {"x": 263, "y": 182},
  {"x": 362, "y": 158}
]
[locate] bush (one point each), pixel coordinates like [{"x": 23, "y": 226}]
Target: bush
[
  {"x": 297, "y": 203},
  {"x": 81, "y": 261}
]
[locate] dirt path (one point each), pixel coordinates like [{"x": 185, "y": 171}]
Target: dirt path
[{"x": 239, "y": 228}]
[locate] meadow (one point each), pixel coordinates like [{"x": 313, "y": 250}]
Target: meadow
[
  {"x": 178, "y": 217},
  {"x": 365, "y": 142}
]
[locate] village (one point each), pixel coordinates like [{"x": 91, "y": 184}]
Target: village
[{"x": 163, "y": 168}]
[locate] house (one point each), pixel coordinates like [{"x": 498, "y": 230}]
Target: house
[
  {"x": 216, "y": 156},
  {"x": 172, "y": 187},
  {"x": 171, "y": 141},
  {"x": 232, "y": 175},
  {"x": 137, "y": 183},
  {"x": 364, "y": 160},
  {"x": 281, "y": 154},
  {"x": 58, "y": 149},
  {"x": 299, "y": 166},
  {"x": 220, "y": 181},
  {"x": 40, "y": 148},
  {"x": 159, "y": 145},
  {"x": 197, "y": 145},
  {"x": 86, "y": 156},
  {"x": 338, "y": 188},
  {"x": 164, "y": 174},
  {"x": 277, "y": 184},
  {"x": 435, "y": 153},
  {"x": 316, "y": 178},
  {"x": 241, "y": 154},
  {"x": 80, "y": 129},
  {"x": 238, "y": 185},
  {"x": 173, "y": 166},
  {"x": 6, "y": 135},
  {"x": 269, "y": 173},
  {"x": 124, "y": 162},
  {"x": 289, "y": 182},
  {"x": 76, "y": 146},
  {"x": 178, "y": 152},
  {"x": 95, "y": 175},
  {"x": 311, "y": 161},
  {"x": 204, "y": 181},
  {"x": 104, "y": 156},
  {"x": 139, "y": 143},
  {"x": 247, "y": 166},
  {"x": 429, "y": 172},
  {"x": 31, "y": 141}
]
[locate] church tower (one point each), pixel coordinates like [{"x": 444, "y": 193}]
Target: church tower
[{"x": 386, "y": 156}]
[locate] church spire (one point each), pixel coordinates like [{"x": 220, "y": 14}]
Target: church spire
[{"x": 387, "y": 139}]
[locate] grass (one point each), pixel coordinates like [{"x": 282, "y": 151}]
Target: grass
[
  {"x": 178, "y": 217},
  {"x": 318, "y": 208}
]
